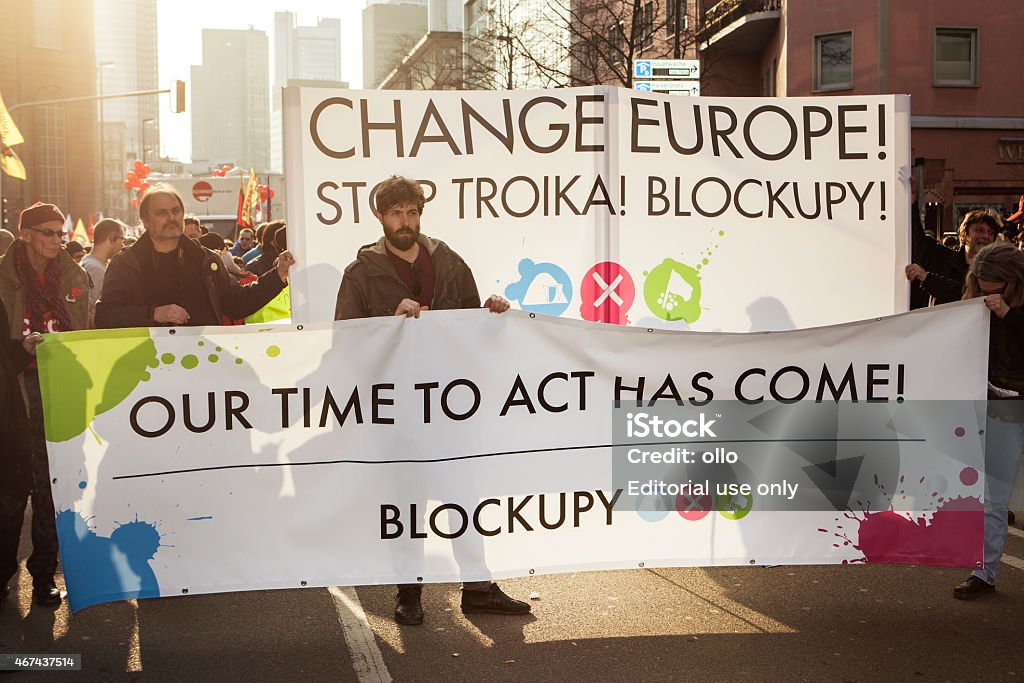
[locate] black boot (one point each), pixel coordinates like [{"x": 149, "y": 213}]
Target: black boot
[
  {"x": 408, "y": 610},
  {"x": 46, "y": 594},
  {"x": 492, "y": 601},
  {"x": 972, "y": 588}
]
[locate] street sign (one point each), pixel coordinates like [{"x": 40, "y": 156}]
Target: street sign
[
  {"x": 691, "y": 88},
  {"x": 666, "y": 68}
]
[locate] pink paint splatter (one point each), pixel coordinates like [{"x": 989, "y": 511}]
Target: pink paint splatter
[
  {"x": 960, "y": 431},
  {"x": 952, "y": 538},
  {"x": 969, "y": 476}
]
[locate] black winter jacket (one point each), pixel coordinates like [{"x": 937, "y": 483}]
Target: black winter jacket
[{"x": 123, "y": 302}]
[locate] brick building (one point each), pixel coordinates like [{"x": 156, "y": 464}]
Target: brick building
[
  {"x": 959, "y": 61},
  {"x": 46, "y": 49}
]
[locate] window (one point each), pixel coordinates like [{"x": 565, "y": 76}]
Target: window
[
  {"x": 47, "y": 26},
  {"x": 956, "y": 57},
  {"x": 52, "y": 163},
  {"x": 833, "y": 61},
  {"x": 616, "y": 43},
  {"x": 672, "y": 7}
]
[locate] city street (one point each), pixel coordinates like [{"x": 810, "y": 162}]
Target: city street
[{"x": 843, "y": 623}]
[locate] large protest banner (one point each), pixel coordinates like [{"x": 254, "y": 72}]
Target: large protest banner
[
  {"x": 218, "y": 459},
  {"x": 611, "y": 205}
]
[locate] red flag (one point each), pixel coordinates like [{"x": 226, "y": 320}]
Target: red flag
[
  {"x": 243, "y": 220},
  {"x": 268, "y": 199}
]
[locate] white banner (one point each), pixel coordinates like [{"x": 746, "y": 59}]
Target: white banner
[
  {"x": 467, "y": 445},
  {"x": 604, "y": 204}
]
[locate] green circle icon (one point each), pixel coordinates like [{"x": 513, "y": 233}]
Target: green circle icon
[
  {"x": 734, "y": 507},
  {"x": 672, "y": 291}
]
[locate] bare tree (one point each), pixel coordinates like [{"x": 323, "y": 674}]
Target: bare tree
[
  {"x": 432, "y": 62},
  {"x": 606, "y": 36},
  {"x": 509, "y": 45}
]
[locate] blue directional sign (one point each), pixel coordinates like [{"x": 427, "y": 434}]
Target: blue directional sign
[
  {"x": 671, "y": 87},
  {"x": 677, "y": 69}
]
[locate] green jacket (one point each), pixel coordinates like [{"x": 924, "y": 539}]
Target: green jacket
[
  {"x": 371, "y": 287},
  {"x": 72, "y": 277}
]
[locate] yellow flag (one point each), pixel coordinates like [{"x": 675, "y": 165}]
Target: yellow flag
[
  {"x": 9, "y": 133},
  {"x": 251, "y": 196},
  {"x": 80, "y": 236},
  {"x": 11, "y": 164}
]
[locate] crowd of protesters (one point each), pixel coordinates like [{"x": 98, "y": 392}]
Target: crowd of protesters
[
  {"x": 166, "y": 277},
  {"x": 985, "y": 260},
  {"x": 179, "y": 273}
]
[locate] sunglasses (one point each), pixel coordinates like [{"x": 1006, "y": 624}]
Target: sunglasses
[
  {"x": 417, "y": 286},
  {"x": 47, "y": 232}
]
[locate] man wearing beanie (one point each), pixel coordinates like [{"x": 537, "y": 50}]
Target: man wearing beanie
[{"x": 43, "y": 290}]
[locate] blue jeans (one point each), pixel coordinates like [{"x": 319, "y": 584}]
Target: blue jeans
[{"x": 1004, "y": 442}]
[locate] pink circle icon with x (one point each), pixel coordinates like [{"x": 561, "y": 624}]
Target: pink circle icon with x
[
  {"x": 693, "y": 508},
  {"x": 606, "y": 294}
]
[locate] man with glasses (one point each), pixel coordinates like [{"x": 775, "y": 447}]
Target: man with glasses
[
  {"x": 406, "y": 273},
  {"x": 43, "y": 290},
  {"x": 108, "y": 238},
  {"x": 245, "y": 242}
]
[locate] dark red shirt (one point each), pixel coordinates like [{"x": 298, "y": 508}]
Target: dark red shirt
[{"x": 418, "y": 276}]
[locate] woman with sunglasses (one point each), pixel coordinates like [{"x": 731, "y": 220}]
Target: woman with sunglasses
[{"x": 997, "y": 274}]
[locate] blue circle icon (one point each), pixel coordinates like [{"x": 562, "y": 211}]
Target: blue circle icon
[{"x": 541, "y": 288}]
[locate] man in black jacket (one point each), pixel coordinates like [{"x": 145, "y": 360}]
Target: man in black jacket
[
  {"x": 167, "y": 279},
  {"x": 15, "y": 462}
]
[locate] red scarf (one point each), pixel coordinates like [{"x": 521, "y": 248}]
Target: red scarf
[{"x": 40, "y": 298}]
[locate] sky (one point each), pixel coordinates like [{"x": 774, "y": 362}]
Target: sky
[{"x": 179, "y": 27}]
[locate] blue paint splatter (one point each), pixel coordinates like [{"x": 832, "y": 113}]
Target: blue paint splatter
[
  {"x": 99, "y": 569},
  {"x": 196, "y": 519},
  {"x": 541, "y": 288},
  {"x": 82, "y": 484}
]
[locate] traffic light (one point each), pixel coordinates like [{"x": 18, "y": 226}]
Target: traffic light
[{"x": 178, "y": 96}]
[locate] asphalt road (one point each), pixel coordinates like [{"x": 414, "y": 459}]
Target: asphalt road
[{"x": 837, "y": 623}]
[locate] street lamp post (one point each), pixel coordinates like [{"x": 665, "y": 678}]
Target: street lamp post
[
  {"x": 145, "y": 122},
  {"x": 507, "y": 39},
  {"x": 103, "y": 161}
]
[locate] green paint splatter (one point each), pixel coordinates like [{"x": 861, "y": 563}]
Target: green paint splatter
[
  {"x": 238, "y": 361},
  {"x": 202, "y": 343},
  {"x": 721, "y": 233},
  {"x": 76, "y": 392},
  {"x": 167, "y": 358},
  {"x": 273, "y": 351},
  {"x": 213, "y": 358},
  {"x": 218, "y": 349},
  {"x": 672, "y": 291},
  {"x": 705, "y": 262},
  {"x": 189, "y": 362}
]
